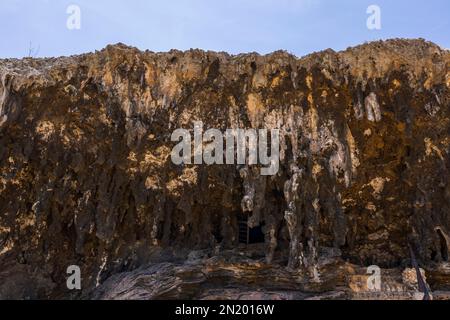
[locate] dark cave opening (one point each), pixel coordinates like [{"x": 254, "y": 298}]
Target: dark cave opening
[
  {"x": 249, "y": 235},
  {"x": 216, "y": 233},
  {"x": 443, "y": 245},
  {"x": 256, "y": 235}
]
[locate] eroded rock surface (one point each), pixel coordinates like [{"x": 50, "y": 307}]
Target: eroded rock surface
[{"x": 86, "y": 176}]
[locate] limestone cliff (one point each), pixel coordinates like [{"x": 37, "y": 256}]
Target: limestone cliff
[{"x": 86, "y": 176}]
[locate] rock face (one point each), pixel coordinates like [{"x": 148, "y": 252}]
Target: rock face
[{"x": 86, "y": 176}]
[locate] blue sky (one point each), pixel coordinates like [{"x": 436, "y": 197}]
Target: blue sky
[{"x": 298, "y": 26}]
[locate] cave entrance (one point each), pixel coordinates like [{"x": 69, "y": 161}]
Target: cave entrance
[
  {"x": 443, "y": 244},
  {"x": 249, "y": 235}
]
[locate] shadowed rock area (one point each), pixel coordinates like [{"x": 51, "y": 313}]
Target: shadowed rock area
[{"x": 86, "y": 176}]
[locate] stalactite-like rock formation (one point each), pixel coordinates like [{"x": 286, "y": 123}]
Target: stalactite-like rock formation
[{"x": 86, "y": 176}]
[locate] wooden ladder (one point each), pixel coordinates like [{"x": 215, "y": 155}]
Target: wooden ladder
[{"x": 244, "y": 230}]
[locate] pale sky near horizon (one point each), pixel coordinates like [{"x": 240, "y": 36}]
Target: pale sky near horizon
[{"x": 235, "y": 26}]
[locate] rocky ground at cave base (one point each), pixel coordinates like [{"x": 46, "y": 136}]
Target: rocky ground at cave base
[{"x": 240, "y": 275}]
